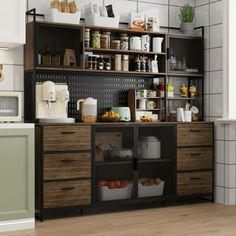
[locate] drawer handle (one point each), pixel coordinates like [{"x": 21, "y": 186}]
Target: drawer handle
[
  {"x": 67, "y": 188},
  {"x": 68, "y": 132},
  {"x": 67, "y": 161},
  {"x": 195, "y": 178},
  {"x": 195, "y": 130},
  {"x": 195, "y": 154}
]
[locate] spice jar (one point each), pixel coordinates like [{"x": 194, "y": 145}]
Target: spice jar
[
  {"x": 124, "y": 42},
  {"x": 101, "y": 63},
  {"x": 125, "y": 63},
  {"x": 107, "y": 62},
  {"x": 87, "y": 37},
  {"x": 95, "y": 63},
  {"x": 115, "y": 44},
  {"x": 143, "y": 64},
  {"x": 109, "y": 38},
  {"x": 117, "y": 62},
  {"x": 137, "y": 64},
  {"x": 104, "y": 41},
  {"x": 96, "y": 39},
  {"x": 90, "y": 62}
]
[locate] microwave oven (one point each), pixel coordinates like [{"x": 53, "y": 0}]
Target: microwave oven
[{"x": 10, "y": 106}]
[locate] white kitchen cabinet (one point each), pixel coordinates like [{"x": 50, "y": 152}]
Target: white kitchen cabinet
[{"x": 12, "y": 23}]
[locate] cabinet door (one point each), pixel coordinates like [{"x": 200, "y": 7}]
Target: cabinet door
[
  {"x": 12, "y": 23},
  {"x": 16, "y": 174}
]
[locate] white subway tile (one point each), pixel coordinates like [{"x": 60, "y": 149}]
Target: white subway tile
[
  {"x": 207, "y": 105},
  {"x": 230, "y": 196},
  {"x": 219, "y": 152},
  {"x": 219, "y": 131},
  {"x": 230, "y": 131},
  {"x": 230, "y": 176},
  {"x": 216, "y": 104},
  {"x": 216, "y": 59},
  {"x": 207, "y": 60},
  {"x": 219, "y": 175},
  {"x": 174, "y": 17},
  {"x": 216, "y": 82},
  {"x": 219, "y": 195},
  {"x": 230, "y": 152},
  {"x": 207, "y": 83},
  {"x": 216, "y": 13},
  {"x": 181, "y": 2},
  {"x": 216, "y": 36},
  {"x": 202, "y": 15}
]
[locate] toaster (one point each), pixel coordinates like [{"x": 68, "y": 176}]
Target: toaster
[{"x": 124, "y": 113}]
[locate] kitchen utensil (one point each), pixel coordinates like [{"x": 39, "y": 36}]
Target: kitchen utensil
[
  {"x": 150, "y": 147},
  {"x": 135, "y": 43},
  {"x": 157, "y": 44},
  {"x": 124, "y": 113},
  {"x": 88, "y": 109}
]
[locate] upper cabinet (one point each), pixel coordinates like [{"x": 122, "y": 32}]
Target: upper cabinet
[{"x": 12, "y": 23}]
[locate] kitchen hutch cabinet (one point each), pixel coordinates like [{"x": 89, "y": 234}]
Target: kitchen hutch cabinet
[{"x": 12, "y": 23}]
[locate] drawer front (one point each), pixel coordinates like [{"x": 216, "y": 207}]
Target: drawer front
[
  {"x": 66, "y": 166},
  {"x": 194, "y": 158},
  {"x": 67, "y": 193},
  {"x": 194, "y": 183},
  {"x": 194, "y": 134},
  {"x": 64, "y": 138}
]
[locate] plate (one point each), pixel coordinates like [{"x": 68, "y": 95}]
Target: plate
[{"x": 110, "y": 119}]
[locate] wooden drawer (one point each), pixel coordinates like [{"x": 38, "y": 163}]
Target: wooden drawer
[
  {"x": 194, "y": 183},
  {"x": 67, "y": 193},
  {"x": 197, "y": 158},
  {"x": 66, "y": 138},
  {"x": 194, "y": 134},
  {"x": 67, "y": 165}
]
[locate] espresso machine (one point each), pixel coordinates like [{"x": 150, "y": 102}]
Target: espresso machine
[{"x": 52, "y": 103}]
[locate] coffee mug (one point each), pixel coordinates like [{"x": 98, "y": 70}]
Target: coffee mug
[
  {"x": 157, "y": 44},
  {"x": 135, "y": 43},
  {"x": 142, "y": 103},
  {"x": 144, "y": 93},
  {"x": 153, "y": 93},
  {"x": 151, "y": 104}
]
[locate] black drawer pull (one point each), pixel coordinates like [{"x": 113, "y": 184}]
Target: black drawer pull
[
  {"x": 68, "y": 132},
  {"x": 67, "y": 188},
  {"x": 195, "y": 154},
  {"x": 195, "y": 130},
  {"x": 195, "y": 178},
  {"x": 67, "y": 161}
]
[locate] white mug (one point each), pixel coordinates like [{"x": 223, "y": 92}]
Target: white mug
[
  {"x": 157, "y": 44},
  {"x": 135, "y": 43},
  {"x": 142, "y": 103},
  {"x": 188, "y": 116},
  {"x": 145, "y": 43},
  {"x": 151, "y": 105}
]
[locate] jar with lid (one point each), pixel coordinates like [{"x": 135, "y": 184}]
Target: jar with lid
[
  {"x": 115, "y": 44},
  {"x": 137, "y": 64},
  {"x": 105, "y": 41},
  {"x": 87, "y": 37},
  {"x": 125, "y": 63},
  {"x": 143, "y": 64},
  {"x": 109, "y": 38},
  {"x": 95, "y": 62},
  {"x": 124, "y": 42},
  {"x": 148, "y": 65},
  {"x": 101, "y": 63},
  {"x": 96, "y": 39},
  {"x": 107, "y": 62},
  {"x": 117, "y": 62},
  {"x": 90, "y": 62}
]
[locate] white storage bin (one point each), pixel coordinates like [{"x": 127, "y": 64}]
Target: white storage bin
[
  {"x": 107, "y": 194},
  {"x": 53, "y": 15},
  {"x": 97, "y": 20},
  {"x": 151, "y": 191}
]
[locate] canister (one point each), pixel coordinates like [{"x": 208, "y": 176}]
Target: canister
[{"x": 96, "y": 39}]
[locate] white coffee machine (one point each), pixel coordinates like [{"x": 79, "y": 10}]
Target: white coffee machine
[{"x": 52, "y": 102}]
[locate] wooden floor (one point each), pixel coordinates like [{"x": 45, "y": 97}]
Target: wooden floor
[{"x": 198, "y": 219}]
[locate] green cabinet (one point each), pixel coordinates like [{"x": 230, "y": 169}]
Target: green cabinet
[{"x": 16, "y": 171}]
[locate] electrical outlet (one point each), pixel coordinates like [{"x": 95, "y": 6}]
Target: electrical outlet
[{"x": 1, "y": 72}]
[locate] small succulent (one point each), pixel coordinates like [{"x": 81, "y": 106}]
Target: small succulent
[{"x": 187, "y": 13}]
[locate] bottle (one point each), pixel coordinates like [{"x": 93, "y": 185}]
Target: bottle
[
  {"x": 40, "y": 55},
  {"x": 56, "y": 57},
  {"x": 108, "y": 63},
  {"x": 47, "y": 57},
  {"x": 101, "y": 63},
  {"x": 170, "y": 89},
  {"x": 143, "y": 64},
  {"x": 149, "y": 65},
  {"x": 172, "y": 60},
  {"x": 125, "y": 63},
  {"x": 87, "y": 37},
  {"x": 137, "y": 64}
]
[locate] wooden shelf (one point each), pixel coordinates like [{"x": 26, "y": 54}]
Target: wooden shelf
[
  {"x": 115, "y": 51},
  {"x": 142, "y": 160},
  {"x": 183, "y": 98},
  {"x": 147, "y": 109},
  {"x": 183, "y": 74},
  {"x": 113, "y": 163},
  {"x": 139, "y": 98}
]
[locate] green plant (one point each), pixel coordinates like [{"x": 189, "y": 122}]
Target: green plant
[{"x": 187, "y": 13}]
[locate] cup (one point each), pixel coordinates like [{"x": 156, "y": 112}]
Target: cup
[
  {"x": 157, "y": 44},
  {"x": 151, "y": 105},
  {"x": 144, "y": 93},
  {"x": 153, "y": 93},
  {"x": 142, "y": 103}
]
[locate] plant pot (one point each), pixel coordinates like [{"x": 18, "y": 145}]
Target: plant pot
[{"x": 187, "y": 27}]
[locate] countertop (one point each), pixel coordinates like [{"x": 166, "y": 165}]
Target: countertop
[{"x": 16, "y": 126}]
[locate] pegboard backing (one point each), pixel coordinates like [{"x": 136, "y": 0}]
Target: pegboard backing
[{"x": 109, "y": 90}]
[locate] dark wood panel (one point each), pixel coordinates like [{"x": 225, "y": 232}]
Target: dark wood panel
[
  {"x": 194, "y": 183},
  {"x": 29, "y": 47},
  {"x": 67, "y": 138},
  {"x": 67, "y": 166},
  {"x": 67, "y": 193},
  {"x": 194, "y": 134},
  {"x": 194, "y": 158}
]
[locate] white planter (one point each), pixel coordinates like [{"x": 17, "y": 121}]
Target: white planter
[
  {"x": 187, "y": 27},
  {"x": 151, "y": 191},
  {"x": 97, "y": 20}
]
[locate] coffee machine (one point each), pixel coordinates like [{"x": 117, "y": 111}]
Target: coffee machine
[{"x": 52, "y": 102}]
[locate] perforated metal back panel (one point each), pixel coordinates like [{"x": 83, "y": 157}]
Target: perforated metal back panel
[{"x": 109, "y": 90}]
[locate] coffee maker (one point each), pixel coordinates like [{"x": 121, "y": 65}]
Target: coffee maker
[{"x": 52, "y": 102}]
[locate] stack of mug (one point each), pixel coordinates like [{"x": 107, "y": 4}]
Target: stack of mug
[{"x": 145, "y": 103}]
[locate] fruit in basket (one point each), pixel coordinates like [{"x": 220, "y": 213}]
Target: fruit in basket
[
  {"x": 113, "y": 184},
  {"x": 149, "y": 181},
  {"x": 111, "y": 114},
  {"x": 102, "y": 183}
]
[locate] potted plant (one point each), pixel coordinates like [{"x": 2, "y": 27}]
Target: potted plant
[{"x": 187, "y": 14}]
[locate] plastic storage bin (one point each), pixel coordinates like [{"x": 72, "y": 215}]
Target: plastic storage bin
[
  {"x": 107, "y": 194},
  {"x": 97, "y": 20},
  {"x": 53, "y": 15},
  {"x": 151, "y": 191}
]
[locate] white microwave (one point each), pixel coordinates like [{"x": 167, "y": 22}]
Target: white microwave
[{"x": 10, "y": 106}]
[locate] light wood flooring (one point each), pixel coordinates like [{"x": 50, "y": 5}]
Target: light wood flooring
[{"x": 202, "y": 219}]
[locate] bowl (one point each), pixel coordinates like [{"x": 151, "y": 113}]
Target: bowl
[{"x": 110, "y": 119}]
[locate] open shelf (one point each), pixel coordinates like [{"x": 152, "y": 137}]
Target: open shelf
[
  {"x": 185, "y": 98},
  {"x": 142, "y": 160},
  {"x": 183, "y": 74}
]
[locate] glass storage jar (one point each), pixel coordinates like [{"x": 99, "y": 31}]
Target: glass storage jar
[
  {"x": 124, "y": 42},
  {"x": 116, "y": 44},
  {"x": 125, "y": 63},
  {"x": 117, "y": 62},
  {"x": 96, "y": 39}
]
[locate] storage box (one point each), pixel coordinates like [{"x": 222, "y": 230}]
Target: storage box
[
  {"x": 151, "y": 191},
  {"x": 107, "y": 194},
  {"x": 97, "y": 20},
  {"x": 53, "y": 15}
]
